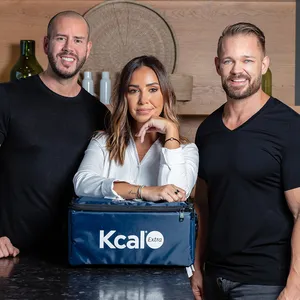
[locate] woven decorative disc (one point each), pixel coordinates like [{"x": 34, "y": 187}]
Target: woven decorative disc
[{"x": 122, "y": 30}]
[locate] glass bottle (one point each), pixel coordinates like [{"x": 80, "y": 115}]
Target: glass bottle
[
  {"x": 266, "y": 82},
  {"x": 27, "y": 65}
]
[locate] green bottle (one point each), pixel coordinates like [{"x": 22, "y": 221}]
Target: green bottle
[
  {"x": 266, "y": 82},
  {"x": 27, "y": 65}
]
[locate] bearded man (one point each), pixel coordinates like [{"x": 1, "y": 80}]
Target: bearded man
[
  {"x": 248, "y": 189},
  {"x": 46, "y": 122}
]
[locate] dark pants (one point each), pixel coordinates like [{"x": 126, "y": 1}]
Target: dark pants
[{"x": 222, "y": 289}]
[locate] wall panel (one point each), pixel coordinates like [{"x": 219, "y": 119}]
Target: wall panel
[{"x": 196, "y": 25}]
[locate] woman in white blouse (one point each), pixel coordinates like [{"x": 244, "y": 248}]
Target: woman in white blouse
[{"x": 142, "y": 155}]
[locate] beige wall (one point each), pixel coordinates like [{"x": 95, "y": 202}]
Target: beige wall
[{"x": 196, "y": 26}]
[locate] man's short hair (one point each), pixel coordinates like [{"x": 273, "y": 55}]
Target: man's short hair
[
  {"x": 244, "y": 29},
  {"x": 67, "y": 13}
]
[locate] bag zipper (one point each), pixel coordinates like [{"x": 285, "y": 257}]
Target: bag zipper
[{"x": 129, "y": 208}]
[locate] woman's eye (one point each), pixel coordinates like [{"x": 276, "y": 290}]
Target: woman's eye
[
  {"x": 153, "y": 90},
  {"x": 132, "y": 91}
]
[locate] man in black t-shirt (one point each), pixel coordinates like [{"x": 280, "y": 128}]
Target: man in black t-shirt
[
  {"x": 46, "y": 122},
  {"x": 248, "y": 189}
]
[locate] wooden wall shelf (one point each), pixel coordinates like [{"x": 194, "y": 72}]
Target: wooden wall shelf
[{"x": 184, "y": 109}]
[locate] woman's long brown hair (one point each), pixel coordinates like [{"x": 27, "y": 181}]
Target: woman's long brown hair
[{"x": 120, "y": 125}]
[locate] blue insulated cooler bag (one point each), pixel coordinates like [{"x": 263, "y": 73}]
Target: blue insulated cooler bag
[{"x": 105, "y": 231}]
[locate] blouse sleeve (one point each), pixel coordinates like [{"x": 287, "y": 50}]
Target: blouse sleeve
[
  {"x": 89, "y": 179},
  {"x": 179, "y": 167}
]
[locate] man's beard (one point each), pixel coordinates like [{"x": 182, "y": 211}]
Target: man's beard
[
  {"x": 65, "y": 75},
  {"x": 240, "y": 94}
]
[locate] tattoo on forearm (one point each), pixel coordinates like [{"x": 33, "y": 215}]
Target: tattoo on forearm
[{"x": 131, "y": 192}]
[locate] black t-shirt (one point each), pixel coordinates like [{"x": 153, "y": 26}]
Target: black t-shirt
[
  {"x": 247, "y": 171},
  {"x": 43, "y": 136}
]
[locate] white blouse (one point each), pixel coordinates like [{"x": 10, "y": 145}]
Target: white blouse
[{"x": 160, "y": 166}]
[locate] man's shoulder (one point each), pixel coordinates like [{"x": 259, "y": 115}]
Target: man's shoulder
[
  {"x": 281, "y": 115},
  {"x": 18, "y": 85},
  {"x": 93, "y": 100},
  {"x": 211, "y": 121},
  {"x": 8, "y": 86},
  {"x": 278, "y": 119},
  {"x": 87, "y": 95},
  {"x": 279, "y": 106}
]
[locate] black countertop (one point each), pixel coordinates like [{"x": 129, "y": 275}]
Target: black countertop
[{"x": 32, "y": 278}]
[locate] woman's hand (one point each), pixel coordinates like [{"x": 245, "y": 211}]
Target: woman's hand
[
  {"x": 160, "y": 125},
  {"x": 169, "y": 192}
]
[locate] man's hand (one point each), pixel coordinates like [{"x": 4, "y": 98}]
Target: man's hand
[
  {"x": 197, "y": 285},
  {"x": 289, "y": 295},
  {"x": 290, "y": 292},
  {"x": 7, "y": 248}
]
